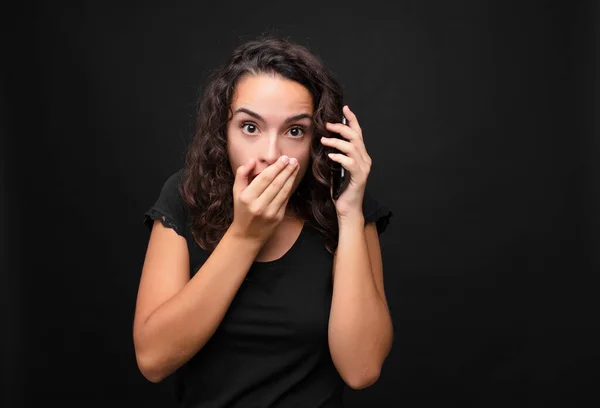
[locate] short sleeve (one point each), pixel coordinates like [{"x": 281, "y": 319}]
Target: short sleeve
[
  {"x": 169, "y": 208},
  {"x": 375, "y": 211}
]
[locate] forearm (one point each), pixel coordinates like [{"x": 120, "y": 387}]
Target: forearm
[
  {"x": 181, "y": 326},
  {"x": 360, "y": 326}
]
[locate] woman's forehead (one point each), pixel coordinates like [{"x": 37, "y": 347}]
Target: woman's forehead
[{"x": 272, "y": 95}]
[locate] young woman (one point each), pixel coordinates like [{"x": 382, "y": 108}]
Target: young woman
[{"x": 259, "y": 289}]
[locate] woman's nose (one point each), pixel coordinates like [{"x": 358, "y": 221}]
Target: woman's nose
[{"x": 270, "y": 150}]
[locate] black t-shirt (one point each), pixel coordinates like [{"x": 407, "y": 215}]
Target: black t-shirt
[{"x": 271, "y": 347}]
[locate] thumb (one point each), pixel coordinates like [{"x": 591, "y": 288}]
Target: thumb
[{"x": 241, "y": 175}]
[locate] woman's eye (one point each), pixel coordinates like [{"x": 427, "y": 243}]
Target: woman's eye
[
  {"x": 296, "y": 131},
  {"x": 248, "y": 127}
]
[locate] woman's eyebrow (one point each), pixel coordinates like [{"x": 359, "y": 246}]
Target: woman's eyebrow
[{"x": 288, "y": 120}]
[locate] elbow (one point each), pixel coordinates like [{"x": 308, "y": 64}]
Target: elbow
[
  {"x": 149, "y": 369},
  {"x": 360, "y": 382},
  {"x": 153, "y": 377},
  {"x": 147, "y": 360}
]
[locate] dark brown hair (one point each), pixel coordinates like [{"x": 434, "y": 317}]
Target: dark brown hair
[{"x": 207, "y": 182}]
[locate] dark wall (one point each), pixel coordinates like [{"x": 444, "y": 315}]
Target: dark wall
[{"x": 480, "y": 118}]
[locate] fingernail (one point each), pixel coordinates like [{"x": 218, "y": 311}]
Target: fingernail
[
  {"x": 284, "y": 159},
  {"x": 293, "y": 161}
]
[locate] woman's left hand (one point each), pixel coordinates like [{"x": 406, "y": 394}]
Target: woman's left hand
[{"x": 354, "y": 158}]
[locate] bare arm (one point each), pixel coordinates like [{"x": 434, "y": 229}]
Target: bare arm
[
  {"x": 175, "y": 315},
  {"x": 360, "y": 325}
]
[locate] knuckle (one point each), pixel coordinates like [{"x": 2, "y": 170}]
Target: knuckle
[
  {"x": 244, "y": 199},
  {"x": 255, "y": 209}
]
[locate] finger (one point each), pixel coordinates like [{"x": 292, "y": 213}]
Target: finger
[
  {"x": 281, "y": 199},
  {"x": 242, "y": 174},
  {"x": 348, "y": 162},
  {"x": 350, "y": 149},
  {"x": 339, "y": 144},
  {"x": 352, "y": 120},
  {"x": 276, "y": 185},
  {"x": 343, "y": 130},
  {"x": 262, "y": 181}
]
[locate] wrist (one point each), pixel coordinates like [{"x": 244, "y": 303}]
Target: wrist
[
  {"x": 253, "y": 244},
  {"x": 351, "y": 220}
]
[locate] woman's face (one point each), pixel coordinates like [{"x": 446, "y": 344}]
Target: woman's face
[{"x": 272, "y": 116}]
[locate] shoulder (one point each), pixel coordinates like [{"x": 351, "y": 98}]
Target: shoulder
[
  {"x": 169, "y": 206},
  {"x": 173, "y": 182},
  {"x": 376, "y": 211}
]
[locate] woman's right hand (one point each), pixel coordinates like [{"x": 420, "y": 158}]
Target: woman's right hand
[{"x": 259, "y": 205}]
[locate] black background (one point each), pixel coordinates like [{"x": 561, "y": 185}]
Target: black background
[{"x": 481, "y": 121}]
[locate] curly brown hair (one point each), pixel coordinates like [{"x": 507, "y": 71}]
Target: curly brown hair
[{"x": 207, "y": 182}]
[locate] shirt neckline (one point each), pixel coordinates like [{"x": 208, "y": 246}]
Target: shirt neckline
[{"x": 287, "y": 254}]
